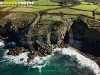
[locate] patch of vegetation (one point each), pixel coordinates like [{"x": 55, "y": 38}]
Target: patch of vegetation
[
  {"x": 54, "y": 25},
  {"x": 46, "y": 22},
  {"x": 15, "y": 0},
  {"x": 20, "y": 20},
  {"x": 6, "y": 9},
  {"x": 2, "y": 14},
  {"x": 86, "y": 3},
  {"x": 32, "y": 9},
  {"x": 57, "y": 24},
  {"x": 71, "y": 11},
  {"x": 70, "y": 16},
  {"x": 51, "y": 17}
]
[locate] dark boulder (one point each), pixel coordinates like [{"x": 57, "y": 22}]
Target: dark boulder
[
  {"x": 31, "y": 57},
  {"x": 21, "y": 59}
]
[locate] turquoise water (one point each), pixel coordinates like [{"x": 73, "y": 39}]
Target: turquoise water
[{"x": 59, "y": 64}]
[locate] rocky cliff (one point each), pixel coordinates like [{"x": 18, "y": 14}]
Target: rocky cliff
[
  {"x": 89, "y": 37},
  {"x": 44, "y": 38}
]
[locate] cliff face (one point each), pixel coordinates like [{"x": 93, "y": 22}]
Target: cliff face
[
  {"x": 78, "y": 29},
  {"x": 91, "y": 42},
  {"x": 9, "y": 32},
  {"x": 89, "y": 37}
]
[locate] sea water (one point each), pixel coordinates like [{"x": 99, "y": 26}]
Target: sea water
[{"x": 63, "y": 61}]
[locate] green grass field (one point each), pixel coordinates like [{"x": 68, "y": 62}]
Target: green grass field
[
  {"x": 45, "y": 2},
  {"x": 86, "y": 7}
]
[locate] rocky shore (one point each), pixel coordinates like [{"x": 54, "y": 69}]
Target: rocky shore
[{"x": 90, "y": 39}]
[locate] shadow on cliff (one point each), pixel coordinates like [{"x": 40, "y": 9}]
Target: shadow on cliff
[
  {"x": 9, "y": 32},
  {"x": 83, "y": 38}
]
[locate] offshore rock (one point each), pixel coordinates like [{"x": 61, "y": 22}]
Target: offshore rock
[
  {"x": 31, "y": 57},
  {"x": 21, "y": 59}
]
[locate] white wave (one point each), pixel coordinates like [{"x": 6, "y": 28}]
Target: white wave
[
  {"x": 40, "y": 62},
  {"x": 81, "y": 59},
  {"x": 2, "y": 44},
  {"x": 16, "y": 59},
  {"x": 40, "y": 66},
  {"x": 37, "y": 62}
]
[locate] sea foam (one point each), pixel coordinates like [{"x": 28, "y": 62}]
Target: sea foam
[
  {"x": 40, "y": 62},
  {"x": 81, "y": 59},
  {"x": 2, "y": 44}
]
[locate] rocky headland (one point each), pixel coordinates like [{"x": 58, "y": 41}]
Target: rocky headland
[{"x": 56, "y": 34}]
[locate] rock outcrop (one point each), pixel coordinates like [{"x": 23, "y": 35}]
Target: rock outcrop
[
  {"x": 43, "y": 49},
  {"x": 17, "y": 51},
  {"x": 44, "y": 52},
  {"x": 31, "y": 57}
]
